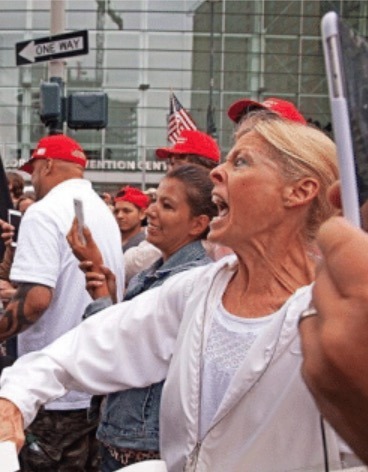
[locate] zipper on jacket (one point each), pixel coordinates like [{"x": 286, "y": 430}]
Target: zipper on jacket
[{"x": 192, "y": 459}]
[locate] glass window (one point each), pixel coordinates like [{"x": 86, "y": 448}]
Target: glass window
[
  {"x": 279, "y": 14},
  {"x": 281, "y": 66},
  {"x": 237, "y": 66},
  {"x": 313, "y": 76},
  {"x": 241, "y": 17}
]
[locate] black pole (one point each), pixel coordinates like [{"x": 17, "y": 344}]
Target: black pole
[{"x": 5, "y": 202}]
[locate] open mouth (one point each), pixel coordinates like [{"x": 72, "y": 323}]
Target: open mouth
[{"x": 222, "y": 206}]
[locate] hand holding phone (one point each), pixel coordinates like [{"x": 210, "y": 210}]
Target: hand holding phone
[
  {"x": 79, "y": 213},
  {"x": 14, "y": 218}
]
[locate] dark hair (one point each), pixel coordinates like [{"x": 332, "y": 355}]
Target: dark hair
[
  {"x": 202, "y": 161},
  {"x": 198, "y": 187},
  {"x": 17, "y": 183}
]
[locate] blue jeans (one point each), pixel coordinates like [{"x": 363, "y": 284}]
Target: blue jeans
[{"x": 108, "y": 463}]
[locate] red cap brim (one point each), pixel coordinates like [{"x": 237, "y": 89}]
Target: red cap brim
[
  {"x": 236, "y": 110},
  {"x": 163, "y": 153},
  {"x": 27, "y": 167}
]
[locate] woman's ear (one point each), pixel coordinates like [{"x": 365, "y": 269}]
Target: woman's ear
[
  {"x": 301, "y": 192},
  {"x": 199, "y": 225}
]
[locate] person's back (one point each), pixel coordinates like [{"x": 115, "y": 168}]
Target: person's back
[
  {"x": 51, "y": 292},
  {"x": 43, "y": 255}
]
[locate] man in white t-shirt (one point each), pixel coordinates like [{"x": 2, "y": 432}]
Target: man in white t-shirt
[{"x": 51, "y": 295}]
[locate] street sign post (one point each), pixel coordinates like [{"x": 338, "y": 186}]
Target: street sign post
[{"x": 52, "y": 47}]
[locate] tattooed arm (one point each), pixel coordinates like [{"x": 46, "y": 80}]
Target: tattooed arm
[{"x": 25, "y": 308}]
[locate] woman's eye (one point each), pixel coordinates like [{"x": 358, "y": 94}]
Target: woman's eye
[{"x": 240, "y": 161}]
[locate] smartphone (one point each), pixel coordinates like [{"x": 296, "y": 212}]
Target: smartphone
[
  {"x": 8, "y": 457},
  {"x": 79, "y": 213},
  {"x": 14, "y": 218},
  {"x": 346, "y": 61}
]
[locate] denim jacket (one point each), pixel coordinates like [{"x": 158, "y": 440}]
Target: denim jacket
[{"x": 130, "y": 419}]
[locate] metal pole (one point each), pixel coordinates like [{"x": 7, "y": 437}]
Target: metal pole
[
  {"x": 26, "y": 78},
  {"x": 57, "y": 26},
  {"x": 143, "y": 87},
  {"x": 56, "y": 67}
]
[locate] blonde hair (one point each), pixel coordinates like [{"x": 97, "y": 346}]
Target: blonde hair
[{"x": 301, "y": 151}]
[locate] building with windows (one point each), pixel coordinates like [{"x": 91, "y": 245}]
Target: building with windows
[{"x": 209, "y": 52}]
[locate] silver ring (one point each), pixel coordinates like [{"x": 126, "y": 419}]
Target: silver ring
[{"x": 310, "y": 311}]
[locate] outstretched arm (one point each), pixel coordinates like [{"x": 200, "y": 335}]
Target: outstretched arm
[
  {"x": 120, "y": 347},
  {"x": 11, "y": 423}
]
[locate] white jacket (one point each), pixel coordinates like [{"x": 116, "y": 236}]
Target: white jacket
[{"x": 267, "y": 421}]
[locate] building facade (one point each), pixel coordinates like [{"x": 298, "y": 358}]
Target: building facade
[{"x": 209, "y": 52}]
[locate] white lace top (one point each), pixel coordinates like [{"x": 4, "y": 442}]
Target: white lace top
[{"x": 229, "y": 340}]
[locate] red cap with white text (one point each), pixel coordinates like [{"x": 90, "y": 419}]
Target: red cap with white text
[
  {"x": 282, "y": 107},
  {"x": 57, "y": 146},
  {"x": 192, "y": 142}
]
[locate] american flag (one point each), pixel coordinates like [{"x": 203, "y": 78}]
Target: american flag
[{"x": 179, "y": 120}]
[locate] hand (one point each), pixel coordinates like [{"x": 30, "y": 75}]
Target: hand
[
  {"x": 7, "y": 232},
  {"x": 100, "y": 282},
  {"x": 335, "y": 343},
  {"x": 84, "y": 252},
  {"x": 7, "y": 290},
  {"x": 11, "y": 423}
]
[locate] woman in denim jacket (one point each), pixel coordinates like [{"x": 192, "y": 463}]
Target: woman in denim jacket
[{"x": 177, "y": 222}]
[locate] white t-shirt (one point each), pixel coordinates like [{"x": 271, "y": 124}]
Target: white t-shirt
[{"x": 43, "y": 256}]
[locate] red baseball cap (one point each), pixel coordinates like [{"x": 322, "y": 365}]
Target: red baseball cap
[
  {"x": 192, "y": 142},
  {"x": 282, "y": 107},
  {"x": 133, "y": 195},
  {"x": 57, "y": 146}
]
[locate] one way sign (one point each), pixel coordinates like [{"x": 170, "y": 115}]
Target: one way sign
[{"x": 52, "y": 47}]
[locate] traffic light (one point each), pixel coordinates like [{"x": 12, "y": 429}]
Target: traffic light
[
  {"x": 50, "y": 102},
  {"x": 81, "y": 110},
  {"x": 87, "y": 110}
]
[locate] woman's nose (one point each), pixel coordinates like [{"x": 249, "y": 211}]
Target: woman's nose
[
  {"x": 218, "y": 174},
  {"x": 151, "y": 210}
]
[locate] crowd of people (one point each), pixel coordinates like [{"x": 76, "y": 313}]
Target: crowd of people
[{"x": 219, "y": 324}]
